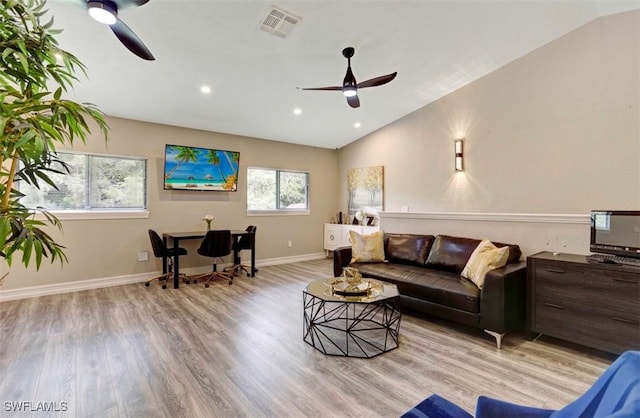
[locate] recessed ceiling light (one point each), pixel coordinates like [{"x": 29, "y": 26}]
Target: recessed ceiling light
[
  {"x": 205, "y": 89},
  {"x": 297, "y": 111},
  {"x": 356, "y": 125}
]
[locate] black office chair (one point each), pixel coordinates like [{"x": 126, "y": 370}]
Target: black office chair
[
  {"x": 246, "y": 242},
  {"x": 160, "y": 250},
  {"x": 216, "y": 244}
]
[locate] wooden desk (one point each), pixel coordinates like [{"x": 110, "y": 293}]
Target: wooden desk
[{"x": 176, "y": 237}]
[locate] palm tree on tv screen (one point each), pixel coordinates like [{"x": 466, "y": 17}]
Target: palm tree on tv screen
[
  {"x": 235, "y": 156},
  {"x": 184, "y": 155},
  {"x": 213, "y": 158}
]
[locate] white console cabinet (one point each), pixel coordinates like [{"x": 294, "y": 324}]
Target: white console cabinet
[{"x": 337, "y": 235}]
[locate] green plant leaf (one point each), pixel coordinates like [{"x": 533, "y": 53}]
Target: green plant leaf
[
  {"x": 5, "y": 230},
  {"x": 27, "y": 247},
  {"x": 34, "y": 120}
]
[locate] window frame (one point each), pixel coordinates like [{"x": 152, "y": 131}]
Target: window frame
[
  {"x": 280, "y": 211},
  {"x": 104, "y": 213}
]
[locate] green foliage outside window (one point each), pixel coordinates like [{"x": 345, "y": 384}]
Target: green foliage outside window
[
  {"x": 93, "y": 182},
  {"x": 269, "y": 189}
]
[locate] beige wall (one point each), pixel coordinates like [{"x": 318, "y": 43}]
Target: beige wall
[
  {"x": 109, "y": 248},
  {"x": 554, "y": 132}
]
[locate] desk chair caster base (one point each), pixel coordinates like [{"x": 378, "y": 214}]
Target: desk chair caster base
[
  {"x": 169, "y": 276},
  {"x": 230, "y": 283},
  {"x": 162, "y": 279},
  {"x": 214, "y": 275},
  {"x": 236, "y": 268}
]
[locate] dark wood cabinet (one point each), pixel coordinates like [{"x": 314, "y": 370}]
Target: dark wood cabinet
[{"x": 593, "y": 304}]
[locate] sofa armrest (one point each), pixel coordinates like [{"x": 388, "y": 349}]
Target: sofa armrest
[
  {"x": 341, "y": 259},
  {"x": 503, "y": 298}
]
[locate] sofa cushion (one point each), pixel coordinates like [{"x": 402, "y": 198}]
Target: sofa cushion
[
  {"x": 367, "y": 248},
  {"x": 514, "y": 251},
  {"x": 449, "y": 289},
  {"x": 407, "y": 248},
  {"x": 485, "y": 257},
  {"x": 451, "y": 253}
]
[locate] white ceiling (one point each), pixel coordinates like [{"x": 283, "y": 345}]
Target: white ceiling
[{"x": 435, "y": 46}]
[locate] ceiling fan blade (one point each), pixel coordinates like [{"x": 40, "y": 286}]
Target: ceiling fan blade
[
  {"x": 353, "y": 101},
  {"x": 131, "y": 40},
  {"x": 378, "y": 81},
  {"x": 78, "y": 3},
  {"x": 129, "y": 3},
  {"x": 121, "y": 4},
  {"x": 322, "y": 88}
]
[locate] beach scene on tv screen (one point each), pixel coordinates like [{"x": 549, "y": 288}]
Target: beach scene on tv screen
[{"x": 192, "y": 168}]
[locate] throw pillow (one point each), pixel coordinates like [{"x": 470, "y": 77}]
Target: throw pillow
[
  {"x": 367, "y": 248},
  {"x": 407, "y": 248},
  {"x": 485, "y": 257}
]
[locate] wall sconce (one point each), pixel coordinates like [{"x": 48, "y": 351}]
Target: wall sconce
[{"x": 457, "y": 144}]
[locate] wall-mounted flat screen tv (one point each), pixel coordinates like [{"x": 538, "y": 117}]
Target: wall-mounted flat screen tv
[{"x": 201, "y": 169}]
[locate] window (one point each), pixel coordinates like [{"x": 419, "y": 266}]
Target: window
[
  {"x": 277, "y": 190},
  {"x": 94, "y": 182},
  {"x": 603, "y": 221}
]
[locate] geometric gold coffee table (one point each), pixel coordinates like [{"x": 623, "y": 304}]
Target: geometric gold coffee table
[{"x": 339, "y": 324}]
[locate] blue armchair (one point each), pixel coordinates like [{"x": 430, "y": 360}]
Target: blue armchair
[{"x": 615, "y": 394}]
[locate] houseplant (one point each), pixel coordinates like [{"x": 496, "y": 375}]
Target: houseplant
[{"x": 34, "y": 119}]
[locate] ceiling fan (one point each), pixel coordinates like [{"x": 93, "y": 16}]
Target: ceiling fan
[
  {"x": 350, "y": 86},
  {"x": 106, "y": 11}
]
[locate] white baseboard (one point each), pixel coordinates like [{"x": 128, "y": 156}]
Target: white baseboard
[
  {"x": 292, "y": 259},
  {"x": 77, "y": 286}
]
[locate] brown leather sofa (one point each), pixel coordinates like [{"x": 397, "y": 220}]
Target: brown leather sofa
[{"x": 427, "y": 270}]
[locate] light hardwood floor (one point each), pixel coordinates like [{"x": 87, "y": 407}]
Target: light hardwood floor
[{"x": 132, "y": 351}]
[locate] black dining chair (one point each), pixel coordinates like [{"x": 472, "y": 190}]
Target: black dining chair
[
  {"x": 246, "y": 242},
  {"x": 161, "y": 251},
  {"x": 216, "y": 244}
]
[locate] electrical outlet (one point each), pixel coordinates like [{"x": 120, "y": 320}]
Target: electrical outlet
[
  {"x": 405, "y": 208},
  {"x": 143, "y": 256},
  {"x": 289, "y": 244}
]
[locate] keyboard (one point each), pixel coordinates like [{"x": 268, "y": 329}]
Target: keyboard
[{"x": 613, "y": 259}]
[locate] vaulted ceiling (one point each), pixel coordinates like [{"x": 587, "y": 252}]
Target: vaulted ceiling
[{"x": 435, "y": 46}]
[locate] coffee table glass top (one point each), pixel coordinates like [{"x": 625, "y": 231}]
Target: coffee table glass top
[{"x": 333, "y": 290}]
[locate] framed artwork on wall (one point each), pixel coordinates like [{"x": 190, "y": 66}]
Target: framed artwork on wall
[{"x": 365, "y": 188}]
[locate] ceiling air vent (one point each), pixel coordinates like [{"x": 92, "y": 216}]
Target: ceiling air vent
[{"x": 279, "y": 22}]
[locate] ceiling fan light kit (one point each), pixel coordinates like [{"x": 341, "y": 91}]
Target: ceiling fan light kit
[
  {"x": 349, "y": 84},
  {"x": 103, "y": 11},
  {"x": 349, "y": 91}
]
